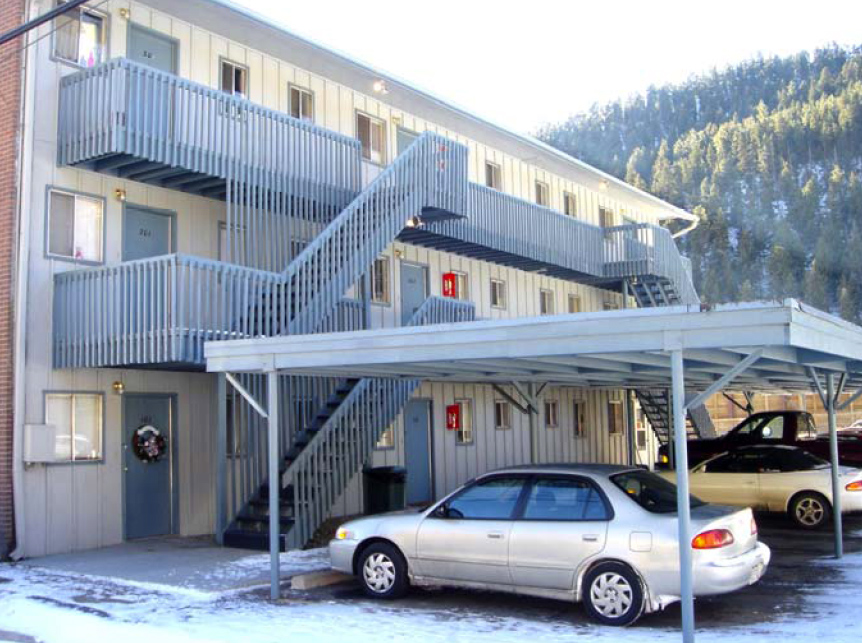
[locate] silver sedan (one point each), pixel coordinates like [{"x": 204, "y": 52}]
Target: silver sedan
[{"x": 605, "y": 535}]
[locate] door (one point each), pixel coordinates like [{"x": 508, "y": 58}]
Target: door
[
  {"x": 414, "y": 289},
  {"x": 149, "y": 490},
  {"x": 564, "y": 522},
  {"x": 467, "y": 538},
  {"x": 417, "y": 451},
  {"x": 152, "y": 48},
  {"x": 146, "y": 233}
]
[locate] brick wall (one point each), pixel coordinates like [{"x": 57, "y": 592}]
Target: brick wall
[{"x": 12, "y": 14}]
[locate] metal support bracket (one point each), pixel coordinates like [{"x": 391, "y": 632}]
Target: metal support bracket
[
  {"x": 248, "y": 396},
  {"x": 525, "y": 409},
  {"x": 724, "y": 380}
]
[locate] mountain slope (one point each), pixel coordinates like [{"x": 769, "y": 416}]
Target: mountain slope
[{"x": 768, "y": 153}]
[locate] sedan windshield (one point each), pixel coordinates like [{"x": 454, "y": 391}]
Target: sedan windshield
[{"x": 651, "y": 492}]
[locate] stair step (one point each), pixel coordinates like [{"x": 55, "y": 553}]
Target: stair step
[
  {"x": 261, "y": 518},
  {"x": 244, "y": 539}
]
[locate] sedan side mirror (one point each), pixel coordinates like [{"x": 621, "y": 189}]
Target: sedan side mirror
[{"x": 441, "y": 512}]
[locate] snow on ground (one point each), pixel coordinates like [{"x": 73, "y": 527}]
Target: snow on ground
[{"x": 70, "y": 608}]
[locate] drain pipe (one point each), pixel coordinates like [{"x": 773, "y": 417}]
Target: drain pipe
[{"x": 21, "y": 273}]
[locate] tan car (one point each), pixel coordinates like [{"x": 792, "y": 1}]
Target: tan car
[{"x": 605, "y": 535}]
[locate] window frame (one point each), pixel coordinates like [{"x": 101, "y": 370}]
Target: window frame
[
  {"x": 384, "y": 138},
  {"x": 435, "y": 512},
  {"x": 574, "y": 297},
  {"x": 578, "y": 427},
  {"x": 504, "y": 288},
  {"x": 570, "y": 197},
  {"x": 542, "y": 187},
  {"x": 103, "y": 417},
  {"x": 104, "y": 17},
  {"x": 606, "y": 215},
  {"x": 548, "y": 406},
  {"x": 543, "y": 309},
  {"x": 522, "y": 504},
  {"x": 503, "y": 404},
  {"x": 301, "y": 90},
  {"x": 496, "y": 173},
  {"x": 612, "y": 429},
  {"x": 462, "y": 285},
  {"x": 76, "y": 194},
  {"x": 390, "y": 431},
  {"x": 463, "y": 402},
  {"x": 371, "y": 276},
  {"x": 246, "y": 73}
]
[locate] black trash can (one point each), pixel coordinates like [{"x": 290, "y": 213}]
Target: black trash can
[{"x": 384, "y": 489}]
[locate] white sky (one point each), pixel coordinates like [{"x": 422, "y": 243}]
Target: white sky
[{"x": 485, "y": 54}]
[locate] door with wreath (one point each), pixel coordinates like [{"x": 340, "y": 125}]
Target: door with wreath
[{"x": 149, "y": 480}]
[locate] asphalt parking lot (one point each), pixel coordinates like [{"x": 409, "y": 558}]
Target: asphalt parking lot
[{"x": 796, "y": 570}]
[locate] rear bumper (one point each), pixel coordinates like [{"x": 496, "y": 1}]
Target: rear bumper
[{"x": 729, "y": 574}]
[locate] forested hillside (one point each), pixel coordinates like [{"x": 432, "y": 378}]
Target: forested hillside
[{"x": 768, "y": 154}]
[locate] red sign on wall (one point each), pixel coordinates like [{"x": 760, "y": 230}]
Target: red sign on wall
[
  {"x": 453, "y": 417},
  {"x": 450, "y": 285}
]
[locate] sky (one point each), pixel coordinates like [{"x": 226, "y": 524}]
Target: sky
[{"x": 525, "y": 63}]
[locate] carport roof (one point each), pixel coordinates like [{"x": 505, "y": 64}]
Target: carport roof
[{"x": 623, "y": 348}]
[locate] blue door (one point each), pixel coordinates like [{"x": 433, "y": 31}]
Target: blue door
[
  {"x": 414, "y": 289},
  {"x": 151, "y": 48},
  {"x": 150, "y": 493},
  {"x": 146, "y": 233},
  {"x": 417, "y": 451}
]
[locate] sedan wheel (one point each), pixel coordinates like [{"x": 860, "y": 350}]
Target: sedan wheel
[
  {"x": 612, "y": 594},
  {"x": 383, "y": 571},
  {"x": 810, "y": 510}
]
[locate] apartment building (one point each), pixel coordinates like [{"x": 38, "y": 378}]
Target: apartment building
[{"x": 191, "y": 173}]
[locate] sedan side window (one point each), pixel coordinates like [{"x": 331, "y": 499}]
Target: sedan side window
[
  {"x": 493, "y": 499},
  {"x": 561, "y": 499}
]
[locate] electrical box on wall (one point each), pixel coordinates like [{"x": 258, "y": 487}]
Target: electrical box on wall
[{"x": 39, "y": 443}]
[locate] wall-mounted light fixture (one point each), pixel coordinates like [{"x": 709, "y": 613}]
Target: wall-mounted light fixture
[
  {"x": 119, "y": 387},
  {"x": 413, "y": 222},
  {"x": 399, "y": 254},
  {"x": 124, "y": 13},
  {"x": 603, "y": 184},
  {"x": 380, "y": 87},
  {"x": 120, "y": 193}
]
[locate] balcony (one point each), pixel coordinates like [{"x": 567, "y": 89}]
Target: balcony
[
  {"x": 158, "y": 312},
  {"x": 142, "y": 124}
]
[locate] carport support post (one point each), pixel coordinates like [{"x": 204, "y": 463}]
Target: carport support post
[
  {"x": 274, "y": 486},
  {"x": 683, "y": 506},
  {"x": 833, "y": 455}
]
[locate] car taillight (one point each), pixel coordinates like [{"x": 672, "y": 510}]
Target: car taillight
[
  {"x": 854, "y": 486},
  {"x": 712, "y": 539},
  {"x": 753, "y": 526}
]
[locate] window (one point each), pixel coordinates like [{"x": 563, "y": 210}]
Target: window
[
  {"x": 80, "y": 37},
  {"x": 502, "y": 415},
  {"x": 493, "y": 499},
  {"x": 498, "y": 293},
  {"x": 234, "y": 79},
  {"x": 651, "y": 492},
  {"x": 75, "y": 226},
  {"x": 387, "y": 438},
  {"x": 380, "y": 290},
  {"x": 615, "y": 416},
  {"x": 551, "y": 420},
  {"x": 464, "y": 434},
  {"x": 579, "y": 415},
  {"x": 561, "y": 499},
  {"x": 774, "y": 429},
  {"x": 301, "y": 103},
  {"x": 610, "y": 304},
  {"x": 542, "y": 194},
  {"x": 570, "y": 204},
  {"x": 574, "y": 303},
  {"x": 493, "y": 176},
  {"x": 372, "y": 138},
  {"x": 237, "y": 241},
  {"x": 606, "y": 217},
  {"x": 237, "y": 426},
  {"x": 78, "y": 418},
  {"x": 546, "y": 302},
  {"x": 462, "y": 282}
]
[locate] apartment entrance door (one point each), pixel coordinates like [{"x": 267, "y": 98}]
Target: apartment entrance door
[
  {"x": 414, "y": 289},
  {"x": 151, "y": 48},
  {"x": 150, "y": 490},
  {"x": 417, "y": 451},
  {"x": 147, "y": 232}
]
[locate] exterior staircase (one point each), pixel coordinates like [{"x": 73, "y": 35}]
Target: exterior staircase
[{"x": 321, "y": 460}]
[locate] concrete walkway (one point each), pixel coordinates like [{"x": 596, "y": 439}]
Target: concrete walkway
[{"x": 191, "y": 563}]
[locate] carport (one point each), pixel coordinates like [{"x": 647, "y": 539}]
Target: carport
[{"x": 778, "y": 346}]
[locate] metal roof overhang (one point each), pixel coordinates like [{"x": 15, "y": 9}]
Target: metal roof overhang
[{"x": 624, "y": 348}]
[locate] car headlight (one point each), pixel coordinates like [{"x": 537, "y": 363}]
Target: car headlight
[
  {"x": 343, "y": 534},
  {"x": 664, "y": 459}
]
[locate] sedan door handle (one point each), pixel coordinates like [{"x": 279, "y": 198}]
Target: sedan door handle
[
  {"x": 590, "y": 538},
  {"x": 497, "y": 535}
]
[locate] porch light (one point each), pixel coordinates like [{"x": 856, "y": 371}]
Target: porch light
[
  {"x": 120, "y": 193},
  {"x": 380, "y": 87},
  {"x": 604, "y": 185},
  {"x": 414, "y": 222},
  {"x": 119, "y": 387}
]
